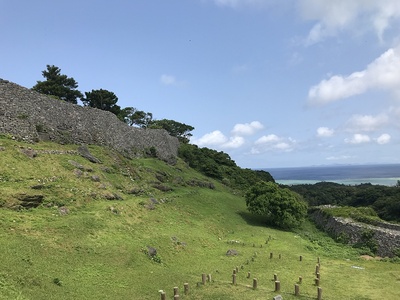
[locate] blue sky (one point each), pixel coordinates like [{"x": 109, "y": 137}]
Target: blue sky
[{"x": 272, "y": 83}]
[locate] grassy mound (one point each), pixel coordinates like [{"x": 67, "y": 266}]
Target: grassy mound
[{"x": 74, "y": 229}]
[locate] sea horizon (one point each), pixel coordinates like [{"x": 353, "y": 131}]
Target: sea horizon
[{"x": 377, "y": 174}]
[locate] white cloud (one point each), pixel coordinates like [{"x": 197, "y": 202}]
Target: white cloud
[
  {"x": 267, "y": 139},
  {"x": 237, "y": 3},
  {"x": 325, "y": 132},
  {"x": 383, "y": 73},
  {"x": 358, "y": 139},
  {"x": 383, "y": 139},
  {"x": 366, "y": 122},
  {"x": 211, "y": 139},
  {"x": 219, "y": 140},
  {"x": 341, "y": 157},
  {"x": 272, "y": 142},
  {"x": 339, "y": 15},
  {"x": 247, "y": 128},
  {"x": 168, "y": 79},
  {"x": 234, "y": 142}
]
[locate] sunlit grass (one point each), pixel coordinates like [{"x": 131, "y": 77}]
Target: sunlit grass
[{"x": 96, "y": 250}]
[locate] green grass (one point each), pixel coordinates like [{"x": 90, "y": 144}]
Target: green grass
[{"x": 96, "y": 250}]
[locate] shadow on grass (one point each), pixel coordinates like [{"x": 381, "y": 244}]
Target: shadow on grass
[{"x": 253, "y": 220}]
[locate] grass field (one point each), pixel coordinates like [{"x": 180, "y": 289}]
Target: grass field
[{"x": 95, "y": 248}]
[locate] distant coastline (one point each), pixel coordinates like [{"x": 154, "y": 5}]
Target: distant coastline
[{"x": 382, "y": 174}]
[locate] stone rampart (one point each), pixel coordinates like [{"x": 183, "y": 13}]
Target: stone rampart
[
  {"x": 32, "y": 117},
  {"x": 387, "y": 240}
]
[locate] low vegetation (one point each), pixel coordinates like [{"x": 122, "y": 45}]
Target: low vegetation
[
  {"x": 126, "y": 229},
  {"x": 384, "y": 200}
]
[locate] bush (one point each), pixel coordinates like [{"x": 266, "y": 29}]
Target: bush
[{"x": 280, "y": 207}]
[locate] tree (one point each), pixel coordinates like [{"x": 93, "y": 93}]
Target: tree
[
  {"x": 58, "y": 85},
  {"x": 135, "y": 117},
  {"x": 176, "y": 129},
  {"x": 102, "y": 99},
  {"x": 280, "y": 206}
]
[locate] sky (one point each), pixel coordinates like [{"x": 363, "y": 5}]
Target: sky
[{"x": 272, "y": 83}]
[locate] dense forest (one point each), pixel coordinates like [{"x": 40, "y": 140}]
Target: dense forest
[{"x": 384, "y": 200}]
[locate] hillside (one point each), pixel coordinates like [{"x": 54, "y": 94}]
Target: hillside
[{"x": 90, "y": 234}]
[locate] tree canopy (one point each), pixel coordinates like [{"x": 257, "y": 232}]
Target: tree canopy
[
  {"x": 58, "y": 85},
  {"x": 174, "y": 128},
  {"x": 280, "y": 207},
  {"x": 102, "y": 99},
  {"x": 135, "y": 117}
]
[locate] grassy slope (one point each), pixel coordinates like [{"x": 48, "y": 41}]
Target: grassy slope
[{"x": 95, "y": 251}]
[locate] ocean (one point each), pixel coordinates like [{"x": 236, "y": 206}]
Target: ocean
[{"x": 383, "y": 174}]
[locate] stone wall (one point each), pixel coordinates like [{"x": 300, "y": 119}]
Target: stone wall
[
  {"x": 388, "y": 240},
  {"x": 32, "y": 117}
]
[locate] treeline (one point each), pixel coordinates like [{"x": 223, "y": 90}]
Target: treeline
[
  {"x": 384, "y": 200},
  {"x": 65, "y": 88},
  {"x": 219, "y": 165}
]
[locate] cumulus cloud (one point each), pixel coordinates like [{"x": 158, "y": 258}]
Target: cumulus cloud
[
  {"x": 211, "y": 139},
  {"x": 273, "y": 142},
  {"x": 383, "y": 139},
  {"x": 247, "y": 128},
  {"x": 366, "y": 123},
  {"x": 325, "y": 132},
  {"x": 383, "y": 73},
  {"x": 358, "y": 139},
  {"x": 219, "y": 140},
  {"x": 339, "y": 15}
]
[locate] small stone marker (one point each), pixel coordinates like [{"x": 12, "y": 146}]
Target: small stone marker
[
  {"x": 254, "y": 283},
  {"x": 203, "y": 278},
  {"x": 296, "y": 290},
  {"x": 300, "y": 279},
  {"x": 163, "y": 296},
  {"x": 176, "y": 291},
  {"x": 278, "y": 297},
  {"x": 186, "y": 288},
  {"x": 234, "y": 279},
  {"x": 277, "y": 286},
  {"x": 319, "y": 296}
]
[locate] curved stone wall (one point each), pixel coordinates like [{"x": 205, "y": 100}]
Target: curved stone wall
[
  {"x": 31, "y": 116},
  {"x": 388, "y": 240}
]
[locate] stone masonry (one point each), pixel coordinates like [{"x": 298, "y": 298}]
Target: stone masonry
[{"x": 32, "y": 117}]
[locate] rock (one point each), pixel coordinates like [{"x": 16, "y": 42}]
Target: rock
[
  {"x": 84, "y": 152},
  {"x": 2, "y": 148},
  {"x": 232, "y": 252},
  {"x": 112, "y": 196},
  {"x": 95, "y": 178},
  {"x": 29, "y": 152},
  {"x": 151, "y": 251},
  {"x": 76, "y": 164},
  {"x": 63, "y": 210},
  {"x": 30, "y": 201},
  {"x": 278, "y": 297}
]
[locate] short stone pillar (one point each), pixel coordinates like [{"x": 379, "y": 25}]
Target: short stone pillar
[
  {"x": 296, "y": 290},
  {"x": 254, "y": 283},
  {"x": 163, "y": 296},
  {"x": 234, "y": 279},
  {"x": 203, "y": 278},
  {"x": 277, "y": 286},
  {"x": 300, "y": 279},
  {"x": 186, "y": 288},
  {"x": 319, "y": 294},
  {"x": 176, "y": 292}
]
